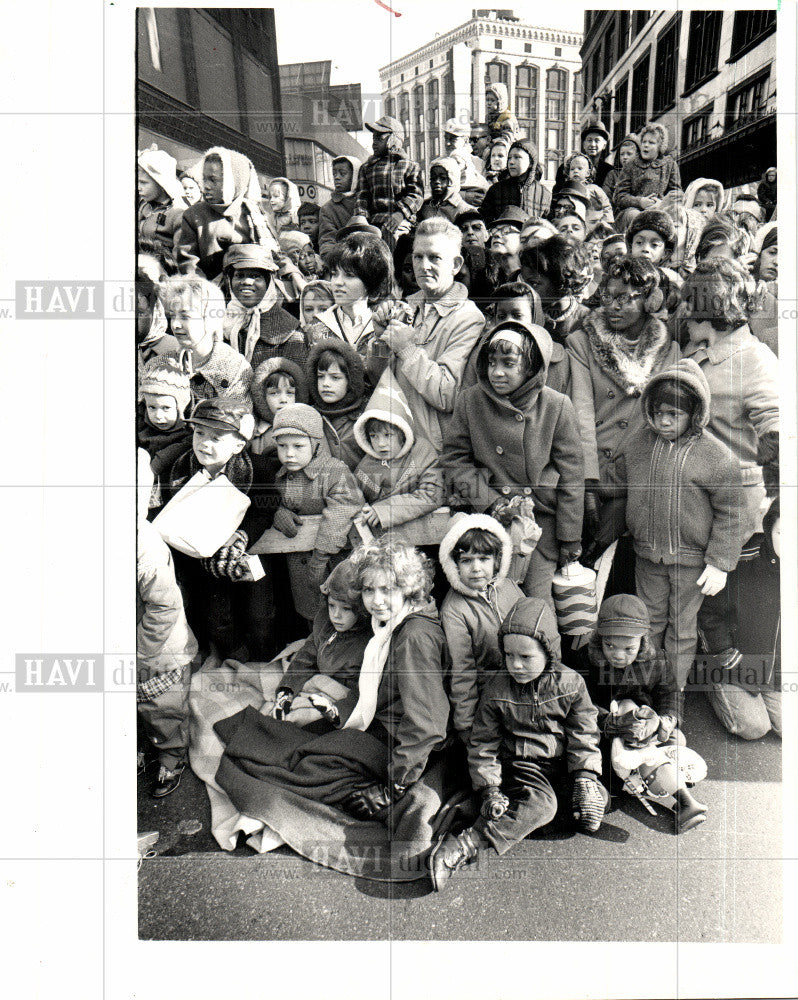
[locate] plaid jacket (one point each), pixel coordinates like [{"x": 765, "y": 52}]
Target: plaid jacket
[{"x": 390, "y": 184}]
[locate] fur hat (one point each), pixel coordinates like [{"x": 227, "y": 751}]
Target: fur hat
[
  {"x": 262, "y": 374},
  {"x": 298, "y": 418},
  {"x": 657, "y": 222},
  {"x": 623, "y": 615},
  {"x": 163, "y": 376}
]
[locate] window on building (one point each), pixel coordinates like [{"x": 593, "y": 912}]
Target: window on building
[
  {"x": 404, "y": 112},
  {"x": 557, "y": 51},
  {"x": 748, "y": 102},
  {"x": 527, "y": 47},
  {"x": 433, "y": 97},
  {"x": 695, "y": 130},
  {"x": 623, "y": 32},
  {"x": 665, "y": 66},
  {"x": 497, "y": 72},
  {"x": 390, "y": 107},
  {"x": 448, "y": 95},
  {"x": 497, "y": 43},
  {"x": 703, "y": 45},
  {"x": 619, "y": 128},
  {"x": 401, "y": 78},
  {"x": 750, "y": 27},
  {"x": 640, "y": 93},
  {"x": 416, "y": 70},
  {"x": 556, "y": 85},
  {"x": 641, "y": 20},
  {"x": 526, "y": 99},
  {"x": 578, "y": 97},
  {"x": 430, "y": 63},
  {"x": 609, "y": 51}
]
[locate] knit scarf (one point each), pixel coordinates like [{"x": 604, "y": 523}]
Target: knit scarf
[
  {"x": 238, "y": 317},
  {"x": 628, "y": 362},
  {"x": 374, "y": 659}
]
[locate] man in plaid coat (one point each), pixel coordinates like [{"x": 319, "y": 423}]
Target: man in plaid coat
[{"x": 390, "y": 188}]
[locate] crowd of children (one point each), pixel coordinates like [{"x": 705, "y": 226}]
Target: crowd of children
[{"x": 600, "y": 354}]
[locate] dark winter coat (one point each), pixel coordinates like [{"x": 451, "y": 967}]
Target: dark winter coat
[
  {"x": 205, "y": 236},
  {"x": 647, "y": 681},
  {"x": 507, "y": 191},
  {"x": 280, "y": 337},
  {"x": 163, "y": 447},
  {"x": 645, "y": 178},
  {"x": 550, "y": 719}
]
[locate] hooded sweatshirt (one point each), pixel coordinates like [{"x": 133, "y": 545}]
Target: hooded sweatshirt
[
  {"x": 685, "y": 503},
  {"x": 451, "y": 204},
  {"x": 408, "y": 486},
  {"x": 340, "y": 417},
  {"x": 525, "y": 444},
  {"x": 550, "y": 720},
  {"x": 338, "y": 210},
  {"x": 207, "y": 230},
  {"x": 471, "y": 619}
]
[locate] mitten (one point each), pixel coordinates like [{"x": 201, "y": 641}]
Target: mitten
[
  {"x": 768, "y": 457},
  {"x": 326, "y": 706},
  {"x": 317, "y": 569},
  {"x": 287, "y": 521},
  {"x": 282, "y": 703},
  {"x": 588, "y": 804},
  {"x": 569, "y": 552},
  {"x": 367, "y": 800},
  {"x": 494, "y": 803}
]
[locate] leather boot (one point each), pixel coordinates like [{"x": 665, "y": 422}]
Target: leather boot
[
  {"x": 451, "y": 854},
  {"x": 689, "y": 811}
]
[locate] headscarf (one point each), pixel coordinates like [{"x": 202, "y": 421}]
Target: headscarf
[
  {"x": 452, "y": 168},
  {"x": 240, "y": 192},
  {"x": 292, "y": 199}
]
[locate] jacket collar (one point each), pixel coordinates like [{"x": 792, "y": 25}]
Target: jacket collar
[
  {"x": 724, "y": 348},
  {"x": 453, "y": 298}
]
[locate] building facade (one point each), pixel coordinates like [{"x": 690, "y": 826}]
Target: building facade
[
  {"x": 447, "y": 78},
  {"x": 210, "y": 78},
  {"x": 709, "y": 76}
]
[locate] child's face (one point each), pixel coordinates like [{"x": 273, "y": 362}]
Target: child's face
[
  {"x": 626, "y": 152},
  {"x": 149, "y": 190},
  {"x": 623, "y": 305},
  {"x": 438, "y": 181},
  {"x": 307, "y": 261},
  {"x": 571, "y": 225},
  {"x": 382, "y": 599},
  {"x": 579, "y": 169},
  {"x": 648, "y": 244},
  {"x": 540, "y": 282},
  {"x": 342, "y": 616},
  {"x": 249, "y": 285},
  {"x": 347, "y": 288},
  {"x": 505, "y": 240},
  {"x": 524, "y": 658},
  {"x": 506, "y": 372},
  {"x": 498, "y": 158},
  {"x": 611, "y": 253},
  {"x": 620, "y": 650},
  {"x": 161, "y": 411},
  {"x": 212, "y": 177},
  {"x": 649, "y": 146},
  {"x": 379, "y": 144},
  {"x": 295, "y": 451},
  {"x": 475, "y": 235},
  {"x": 594, "y": 249},
  {"x": 491, "y": 103},
  {"x": 386, "y": 440},
  {"x": 309, "y": 225},
  {"x": 669, "y": 422},
  {"x": 775, "y": 537},
  {"x": 280, "y": 395},
  {"x": 476, "y": 569},
  {"x": 518, "y": 162},
  {"x": 332, "y": 383},
  {"x": 342, "y": 176},
  {"x": 314, "y": 303},
  {"x": 188, "y": 324},
  {"x": 277, "y": 197},
  {"x": 769, "y": 263},
  {"x": 214, "y": 448},
  {"x": 435, "y": 262},
  {"x": 704, "y": 202},
  {"x": 519, "y": 309},
  {"x": 191, "y": 190}
]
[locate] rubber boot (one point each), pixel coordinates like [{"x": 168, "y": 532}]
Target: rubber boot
[{"x": 689, "y": 811}]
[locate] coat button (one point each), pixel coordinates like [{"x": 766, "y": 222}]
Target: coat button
[
  {"x": 506, "y": 490},
  {"x": 608, "y": 453},
  {"x": 499, "y": 449},
  {"x": 527, "y": 491},
  {"x": 519, "y": 416},
  {"x": 623, "y": 423},
  {"x": 610, "y": 394}
]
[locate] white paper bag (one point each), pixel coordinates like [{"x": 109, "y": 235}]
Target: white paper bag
[{"x": 200, "y": 518}]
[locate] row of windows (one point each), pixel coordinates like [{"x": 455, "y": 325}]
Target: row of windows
[{"x": 744, "y": 105}]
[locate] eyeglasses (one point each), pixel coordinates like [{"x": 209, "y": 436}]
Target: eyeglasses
[
  {"x": 623, "y": 299},
  {"x": 503, "y": 230}
]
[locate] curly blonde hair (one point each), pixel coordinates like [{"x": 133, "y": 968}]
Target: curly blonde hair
[{"x": 407, "y": 568}]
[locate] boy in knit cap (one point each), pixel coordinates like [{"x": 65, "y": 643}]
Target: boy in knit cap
[
  {"x": 390, "y": 188},
  {"x": 534, "y": 734},
  {"x": 161, "y": 429},
  {"x": 310, "y": 481},
  {"x": 684, "y": 509}
]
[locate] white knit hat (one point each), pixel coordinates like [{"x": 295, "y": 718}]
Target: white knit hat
[{"x": 389, "y": 404}]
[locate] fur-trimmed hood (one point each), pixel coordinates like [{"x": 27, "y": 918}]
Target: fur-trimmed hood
[
  {"x": 267, "y": 368},
  {"x": 389, "y": 404},
  {"x": 685, "y": 372},
  {"x": 629, "y": 363},
  {"x": 356, "y": 383},
  {"x": 462, "y": 523},
  {"x": 533, "y": 617}
]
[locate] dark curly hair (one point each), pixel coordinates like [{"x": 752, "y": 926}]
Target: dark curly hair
[
  {"x": 365, "y": 256},
  {"x": 566, "y": 263},
  {"x": 722, "y": 231},
  {"x": 635, "y": 271},
  {"x": 721, "y": 291}
]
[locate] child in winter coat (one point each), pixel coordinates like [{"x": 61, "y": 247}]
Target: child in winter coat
[
  {"x": 161, "y": 202},
  {"x": 284, "y": 204},
  {"x": 652, "y": 236},
  {"x": 535, "y": 732},
  {"x": 255, "y": 324},
  {"x": 196, "y": 310},
  {"x": 228, "y": 213},
  {"x": 308, "y": 218},
  {"x": 444, "y": 182},
  {"x": 334, "y": 649},
  {"x": 335, "y": 214},
  {"x": 705, "y": 196},
  {"x": 624, "y": 674},
  {"x": 161, "y": 429},
  {"x": 475, "y": 555},
  {"x": 399, "y": 473},
  {"x": 764, "y": 320},
  {"x": 521, "y": 187},
  {"x": 512, "y": 435},
  {"x": 741, "y": 371},
  {"x": 165, "y": 647},
  {"x": 628, "y": 149},
  {"x": 579, "y": 167},
  {"x": 336, "y": 386},
  {"x": 277, "y": 382},
  {"x": 684, "y": 509},
  {"x": 390, "y": 188},
  {"x": 500, "y": 119},
  {"x": 310, "y": 481},
  {"x": 647, "y": 178}
]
